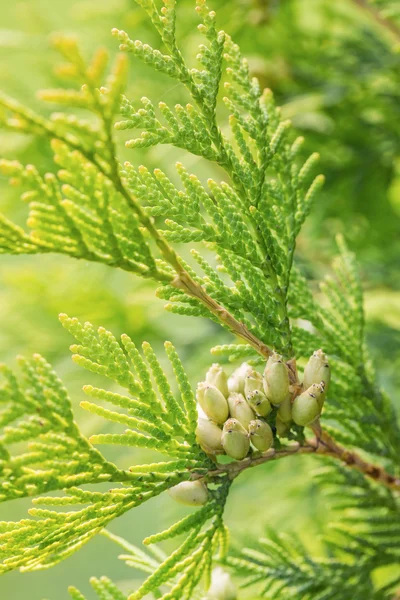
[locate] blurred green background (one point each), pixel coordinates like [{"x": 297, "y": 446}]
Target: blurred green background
[{"x": 336, "y": 74}]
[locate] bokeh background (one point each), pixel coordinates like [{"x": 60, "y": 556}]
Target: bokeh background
[{"x": 336, "y": 74}]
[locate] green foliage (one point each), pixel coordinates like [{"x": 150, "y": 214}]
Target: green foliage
[
  {"x": 242, "y": 273},
  {"x": 251, "y": 224},
  {"x": 58, "y": 457},
  {"x": 104, "y": 588},
  {"x": 36, "y": 419},
  {"x": 365, "y": 539},
  {"x": 134, "y": 557}
]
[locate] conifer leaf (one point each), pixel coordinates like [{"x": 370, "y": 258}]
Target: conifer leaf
[
  {"x": 366, "y": 538},
  {"x": 38, "y": 412},
  {"x": 241, "y": 273}
]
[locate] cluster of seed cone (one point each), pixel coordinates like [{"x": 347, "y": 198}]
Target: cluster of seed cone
[
  {"x": 242, "y": 410},
  {"x": 246, "y": 409}
]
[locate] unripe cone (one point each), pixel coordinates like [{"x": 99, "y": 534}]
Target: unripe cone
[
  {"x": 261, "y": 435},
  {"x": 236, "y": 380},
  {"x": 318, "y": 390},
  {"x": 306, "y": 408},
  {"x": 253, "y": 381},
  {"x": 213, "y": 402},
  {"x": 317, "y": 369},
  {"x": 235, "y": 439},
  {"x": 282, "y": 429},
  {"x": 259, "y": 403},
  {"x": 191, "y": 493},
  {"x": 209, "y": 435},
  {"x": 222, "y": 586},
  {"x": 285, "y": 409},
  {"x": 216, "y": 376},
  {"x": 276, "y": 379},
  {"x": 239, "y": 409}
]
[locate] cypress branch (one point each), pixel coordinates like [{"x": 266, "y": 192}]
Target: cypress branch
[{"x": 242, "y": 275}]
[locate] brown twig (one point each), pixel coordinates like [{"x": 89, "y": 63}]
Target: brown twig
[
  {"x": 329, "y": 447},
  {"x": 321, "y": 446}
]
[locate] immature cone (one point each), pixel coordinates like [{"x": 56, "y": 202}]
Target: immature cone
[
  {"x": 209, "y": 436},
  {"x": 317, "y": 369},
  {"x": 319, "y": 391},
  {"x": 276, "y": 379},
  {"x": 222, "y": 586},
  {"x": 261, "y": 435},
  {"x": 239, "y": 409},
  {"x": 285, "y": 409},
  {"x": 235, "y": 439},
  {"x": 282, "y": 429},
  {"x": 236, "y": 380},
  {"x": 306, "y": 407},
  {"x": 253, "y": 381},
  {"x": 191, "y": 493},
  {"x": 259, "y": 403},
  {"x": 216, "y": 376},
  {"x": 213, "y": 402}
]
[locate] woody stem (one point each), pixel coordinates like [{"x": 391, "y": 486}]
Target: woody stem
[{"x": 323, "y": 445}]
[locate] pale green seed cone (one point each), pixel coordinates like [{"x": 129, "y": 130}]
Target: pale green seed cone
[
  {"x": 209, "y": 436},
  {"x": 305, "y": 408},
  {"x": 213, "y": 402},
  {"x": 261, "y": 435},
  {"x": 235, "y": 439},
  {"x": 318, "y": 390},
  {"x": 191, "y": 493},
  {"x": 239, "y": 409},
  {"x": 234, "y": 385},
  {"x": 276, "y": 379},
  {"x": 321, "y": 401},
  {"x": 259, "y": 403},
  {"x": 253, "y": 381},
  {"x": 216, "y": 376},
  {"x": 282, "y": 429},
  {"x": 222, "y": 586},
  {"x": 285, "y": 409},
  {"x": 237, "y": 379},
  {"x": 316, "y": 370}
]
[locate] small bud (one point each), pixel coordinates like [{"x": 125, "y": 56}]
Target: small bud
[
  {"x": 209, "y": 435},
  {"x": 276, "y": 379},
  {"x": 236, "y": 380},
  {"x": 306, "y": 408},
  {"x": 317, "y": 369},
  {"x": 222, "y": 586},
  {"x": 282, "y": 429},
  {"x": 213, "y": 402},
  {"x": 259, "y": 403},
  {"x": 285, "y": 409},
  {"x": 216, "y": 376},
  {"x": 235, "y": 439},
  {"x": 191, "y": 493},
  {"x": 239, "y": 409},
  {"x": 261, "y": 435},
  {"x": 253, "y": 381}
]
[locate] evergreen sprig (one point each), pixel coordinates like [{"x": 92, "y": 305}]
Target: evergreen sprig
[
  {"x": 58, "y": 457},
  {"x": 364, "y": 540},
  {"x": 42, "y": 448},
  {"x": 251, "y": 223},
  {"x": 241, "y": 274}
]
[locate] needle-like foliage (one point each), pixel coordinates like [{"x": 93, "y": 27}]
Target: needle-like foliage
[
  {"x": 366, "y": 538},
  {"x": 240, "y": 272}
]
